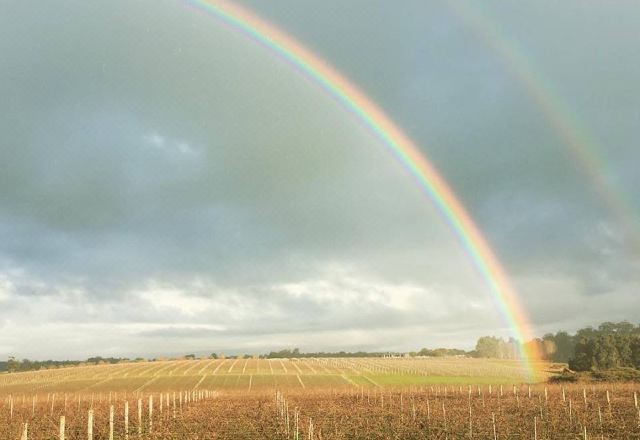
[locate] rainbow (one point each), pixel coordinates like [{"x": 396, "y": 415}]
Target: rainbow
[
  {"x": 573, "y": 133},
  {"x": 400, "y": 145}
]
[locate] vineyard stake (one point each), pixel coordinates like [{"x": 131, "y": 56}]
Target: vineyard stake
[
  {"x": 493, "y": 421},
  {"x": 111, "y": 422},
  {"x": 126, "y": 419},
  {"x": 139, "y": 417},
  {"x": 444, "y": 414},
  {"x": 470, "y": 420},
  {"x": 61, "y": 428},
  {"x": 90, "y": 425},
  {"x": 150, "y": 412}
]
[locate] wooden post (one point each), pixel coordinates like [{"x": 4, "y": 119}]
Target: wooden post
[
  {"x": 570, "y": 412},
  {"x": 126, "y": 420},
  {"x": 493, "y": 421},
  {"x": 90, "y": 425},
  {"x": 61, "y": 430},
  {"x": 150, "y": 413},
  {"x": 287, "y": 418},
  {"x": 444, "y": 415},
  {"x": 470, "y": 419},
  {"x": 413, "y": 409},
  {"x": 139, "y": 416},
  {"x": 600, "y": 417},
  {"x": 111, "y": 422}
]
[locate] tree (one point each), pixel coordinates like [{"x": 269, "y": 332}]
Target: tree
[
  {"x": 559, "y": 347},
  {"x": 488, "y": 346},
  {"x": 623, "y": 327},
  {"x": 12, "y": 365},
  {"x": 612, "y": 345}
]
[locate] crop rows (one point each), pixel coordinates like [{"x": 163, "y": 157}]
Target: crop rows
[
  {"x": 603, "y": 411},
  {"x": 255, "y": 374}
]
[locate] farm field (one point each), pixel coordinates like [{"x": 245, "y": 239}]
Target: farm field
[
  {"x": 540, "y": 411},
  {"x": 268, "y": 374}
]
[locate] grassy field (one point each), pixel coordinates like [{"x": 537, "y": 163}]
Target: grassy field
[{"x": 263, "y": 374}]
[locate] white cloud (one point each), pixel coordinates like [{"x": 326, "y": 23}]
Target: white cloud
[
  {"x": 154, "y": 139},
  {"x": 161, "y": 142},
  {"x": 6, "y": 287},
  {"x": 166, "y": 298}
]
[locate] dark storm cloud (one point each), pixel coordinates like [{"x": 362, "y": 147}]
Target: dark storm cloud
[{"x": 162, "y": 177}]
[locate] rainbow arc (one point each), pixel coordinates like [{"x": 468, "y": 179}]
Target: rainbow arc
[{"x": 400, "y": 145}]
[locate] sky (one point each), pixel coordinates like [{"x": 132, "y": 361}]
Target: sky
[{"x": 169, "y": 186}]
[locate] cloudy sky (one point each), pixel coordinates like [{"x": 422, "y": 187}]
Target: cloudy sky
[{"x": 169, "y": 186}]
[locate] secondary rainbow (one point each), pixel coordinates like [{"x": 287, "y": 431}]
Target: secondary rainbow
[
  {"x": 398, "y": 143},
  {"x": 574, "y": 134}
]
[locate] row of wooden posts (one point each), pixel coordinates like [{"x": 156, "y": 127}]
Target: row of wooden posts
[
  {"x": 282, "y": 408},
  {"x": 164, "y": 401}
]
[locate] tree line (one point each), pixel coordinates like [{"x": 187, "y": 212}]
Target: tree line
[
  {"x": 13, "y": 365},
  {"x": 610, "y": 345},
  {"x": 296, "y": 353}
]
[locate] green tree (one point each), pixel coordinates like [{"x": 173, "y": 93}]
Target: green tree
[{"x": 488, "y": 346}]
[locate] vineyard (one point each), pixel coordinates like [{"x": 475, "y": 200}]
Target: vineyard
[
  {"x": 188, "y": 400},
  {"x": 267, "y": 374}
]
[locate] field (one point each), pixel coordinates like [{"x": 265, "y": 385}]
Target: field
[
  {"x": 268, "y": 374},
  {"x": 311, "y": 399}
]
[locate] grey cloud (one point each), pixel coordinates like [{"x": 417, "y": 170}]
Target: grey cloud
[{"x": 149, "y": 148}]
